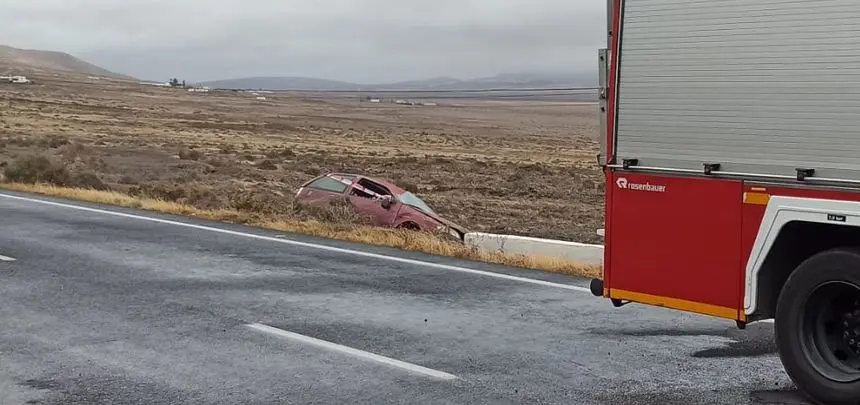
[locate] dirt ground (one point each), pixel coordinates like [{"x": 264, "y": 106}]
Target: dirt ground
[{"x": 506, "y": 166}]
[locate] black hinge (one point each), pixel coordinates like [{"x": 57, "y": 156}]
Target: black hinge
[
  {"x": 626, "y": 163},
  {"x": 803, "y": 173},
  {"x": 711, "y": 167}
]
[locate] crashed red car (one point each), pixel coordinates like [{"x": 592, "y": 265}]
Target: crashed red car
[{"x": 381, "y": 202}]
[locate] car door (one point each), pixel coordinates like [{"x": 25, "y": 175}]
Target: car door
[
  {"x": 367, "y": 197},
  {"x": 323, "y": 190}
]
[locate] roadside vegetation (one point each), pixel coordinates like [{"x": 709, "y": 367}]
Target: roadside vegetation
[
  {"x": 42, "y": 174},
  {"x": 518, "y": 167}
]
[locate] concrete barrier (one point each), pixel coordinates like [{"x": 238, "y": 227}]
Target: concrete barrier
[{"x": 573, "y": 251}]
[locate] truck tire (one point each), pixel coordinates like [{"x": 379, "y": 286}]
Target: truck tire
[{"x": 817, "y": 327}]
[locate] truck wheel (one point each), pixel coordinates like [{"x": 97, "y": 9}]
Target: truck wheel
[{"x": 818, "y": 327}]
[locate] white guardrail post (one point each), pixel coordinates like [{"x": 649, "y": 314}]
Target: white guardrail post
[{"x": 583, "y": 253}]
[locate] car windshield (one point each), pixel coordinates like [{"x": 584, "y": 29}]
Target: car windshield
[{"x": 413, "y": 200}]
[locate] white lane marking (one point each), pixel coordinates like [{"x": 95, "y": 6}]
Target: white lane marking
[
  {"x": 6, "y": 259},
  {"x": 307, "y": 244},
  {"x": 311, "y": 245},
  {"x": 352, "y": 352},
  {"x": 280, "y": 239}
]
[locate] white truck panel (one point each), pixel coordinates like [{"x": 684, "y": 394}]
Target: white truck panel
[{"x": 761, "y": 87}]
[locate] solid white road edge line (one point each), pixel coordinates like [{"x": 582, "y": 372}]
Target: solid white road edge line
[
  {"x": 310, "y": 245},
  {"x": 304, "y": 244},
  {"x": 6, "y": 259},
  {"x": 352, "y": 352}
]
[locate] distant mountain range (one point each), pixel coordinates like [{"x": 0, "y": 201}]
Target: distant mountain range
[
  {"x": 501, "y": 81},
  {"x": 15, "y": 61}
]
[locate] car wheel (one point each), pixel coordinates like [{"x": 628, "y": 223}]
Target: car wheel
[
  {"x": 410, "y": 226},
  {"x": 818, "y": 327}
]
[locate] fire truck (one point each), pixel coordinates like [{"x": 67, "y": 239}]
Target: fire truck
[{"x": 731, "y": 151}]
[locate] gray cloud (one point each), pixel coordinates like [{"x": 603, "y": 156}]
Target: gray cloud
[{"x": 355, "y": 40}]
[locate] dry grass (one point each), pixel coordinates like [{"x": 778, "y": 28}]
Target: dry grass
[
  {"x": 402, "y": 239},
  {"x": 519, "y": 167}
]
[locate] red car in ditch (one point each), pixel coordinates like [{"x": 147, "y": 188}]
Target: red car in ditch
[{"x": 382, "y": 203}]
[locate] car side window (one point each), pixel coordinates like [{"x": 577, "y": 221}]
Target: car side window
[
  {"x": 374, "y": 188},
  {"x": 359, "y": 193},
  {"x": 328, "y": 184}
]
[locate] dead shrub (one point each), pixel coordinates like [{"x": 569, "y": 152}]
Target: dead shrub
[
  {"x": 267, "y": 165},
  {"x": 262, "y": 203},
  {"x": 186, "y": 177},
  {"x": 53, "y": 141},
  {"x": 191, "y": 195},
  {"x": 407, "y": 185},
  {"x": 128, "y": 180},
  {"x": 202, "y": 197},
  {"x": 72, "y": 151},
  {"x": 407, "y": 160},
  {"x": 284, "y": 153},
  {"x": 538, "y": 168},
  {"x": 97, "y": 163},
  {"x": 158, "y": 191},
  {"x": 190, "y": 154},
  {"x": 21, "y": 141},
  {"x": 218, "y": 162},
  {"x": 33, "y": 169},
  {"x": 440, "y": 160},
  {"x": 338, "y": 211},
  {"x": 88, "y": 180},
  {"x": 312, "y": 169}
]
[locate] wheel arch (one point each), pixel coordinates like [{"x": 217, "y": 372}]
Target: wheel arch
[
  {"x": 408, "y": 224},
  {"x": 792, "y": 230},
  {"x": 796, "y": 242}
]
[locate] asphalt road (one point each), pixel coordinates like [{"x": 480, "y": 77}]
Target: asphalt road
[{"x": 114, "y": 308}]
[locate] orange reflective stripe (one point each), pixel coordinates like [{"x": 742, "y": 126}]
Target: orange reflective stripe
[{"x": 675, "y": 303}]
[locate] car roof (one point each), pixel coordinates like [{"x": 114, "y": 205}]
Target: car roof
[{"x": 387, "y": 184}]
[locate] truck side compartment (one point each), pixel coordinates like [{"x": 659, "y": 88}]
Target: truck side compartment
[
  {"x": 761, "y": 88},
  {"x": 665, "y": 234}
]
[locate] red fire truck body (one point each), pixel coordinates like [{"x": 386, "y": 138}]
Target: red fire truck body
[{"x": 731, "y": 149}]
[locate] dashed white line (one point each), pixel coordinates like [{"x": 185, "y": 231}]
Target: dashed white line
[
  {"x": 413, "y": 368},
  {"x": 306, "y": 244},
  {"x": 6, "y": 259}
]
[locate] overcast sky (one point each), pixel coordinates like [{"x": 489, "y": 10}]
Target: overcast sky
[{"x": 354, "y": 40}]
